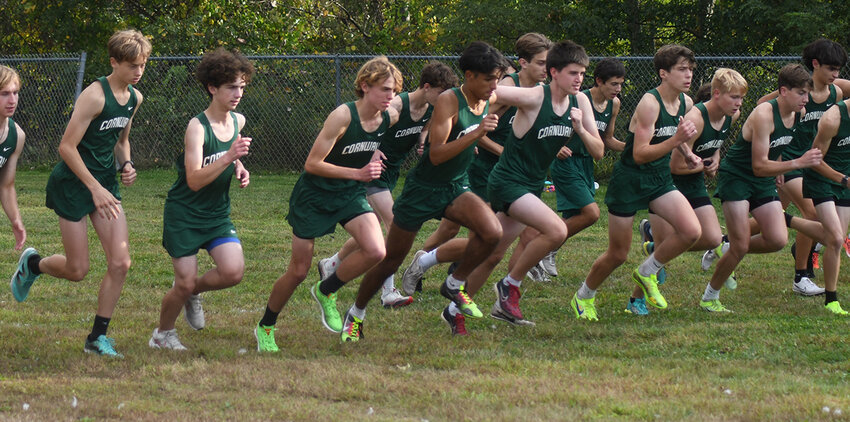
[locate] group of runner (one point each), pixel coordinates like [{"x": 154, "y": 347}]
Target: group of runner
[{"x": 487, "y": 147}]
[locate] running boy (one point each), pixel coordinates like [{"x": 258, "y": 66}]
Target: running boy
[
  {"x": 331, "y": 190},
  {"x": 197, "y": 208},
  {"x": 748, "y": 175},
  {"x": 641, "y": 179},
  {"x": 12, "y": 140},
  {"x": 84, "y": 184}
]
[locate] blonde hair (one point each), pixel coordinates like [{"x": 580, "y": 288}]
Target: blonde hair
[
  {"x": 7, "y": 76},
  {"x": 375, "y": 71},
  {"x": 728, "y": 80},
  {"x": 128, "y": 45}
]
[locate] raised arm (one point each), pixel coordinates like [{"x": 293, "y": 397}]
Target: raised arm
[
  {"x": 584, "y": 125},
  {"x": 442, "y": 119},
  {"x": 608, "y": 138},
  {"x": 198, "y": 176},
  {"x": 827, "y": 129}
]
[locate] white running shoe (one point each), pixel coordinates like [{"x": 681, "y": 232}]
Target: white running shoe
[
  {"x": 394, "y": 299},
  {"x": 326, "y": 267},
  {"x": 645, "y": 230},
  {"x": 806, "y": 287},
  {"x": 412, "y": 275},
  {"x": 165, "y": 340},
  {"x": 549, "y": 265},
  {"x": 194, "y": 312}
]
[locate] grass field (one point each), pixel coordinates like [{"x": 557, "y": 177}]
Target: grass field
[{"x": 778, "y": 357}]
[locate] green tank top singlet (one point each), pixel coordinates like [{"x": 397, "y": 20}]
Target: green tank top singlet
[
  {"x": 499, "y": 135},
  {"x": 354, "y": 150},
  {"x": 807, "y": 127},
  {"x": 212, "y": 200},
  {"x": 529, "y": 157},
  {"x": 603, "y": 118},
  {"x": 739, "y": 158},
  {"x": 97, "y": 148},
  {"x": 7, "y": 148},
  {"x": 453, "y": 170},
  {"x": 404, "y": 134},
  {"x": 838, "y": 154},
  {"x": 711, "y": 139},
  {"x": 665, "y": 127}
]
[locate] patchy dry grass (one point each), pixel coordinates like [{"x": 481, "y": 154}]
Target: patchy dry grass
[{"x": 778, "y": 357}]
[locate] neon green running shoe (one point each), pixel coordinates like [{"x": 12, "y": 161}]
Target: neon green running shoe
[
  {"x": 265, "y": 339},
  {"x": 461, "y": 300},
  {"x": 649, "y": 285},
  {"x": 352, "y": 329},
  {"x": 327, "y": 305},
  {"x": 584, "y": 308},
  {"x": 835, "y": 308},
  {"x": 713, "y": 306}
]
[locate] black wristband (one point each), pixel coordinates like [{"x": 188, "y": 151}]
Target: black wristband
[
  {"x": 844, "y": 181},
  {"x": 130, "y": 162}
]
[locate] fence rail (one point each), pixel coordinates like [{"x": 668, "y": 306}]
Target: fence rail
[{"x": 287, "y": 100}]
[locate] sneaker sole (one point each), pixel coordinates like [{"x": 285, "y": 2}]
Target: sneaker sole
[
  {"x": 497, "y": 314},
  {"x": 17, "y": 269},
  {"x": 322, "y": 310},
  {"x": 397, "y": 304},
  {"x": 804, "y": 294}
]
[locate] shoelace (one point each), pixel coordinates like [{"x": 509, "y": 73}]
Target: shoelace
[
  {"x": 464, "y": 297},
  {"x": 354, "y": 328}
]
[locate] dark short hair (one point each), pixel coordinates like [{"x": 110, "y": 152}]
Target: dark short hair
[
  {"x": 438, "y": 75},
  {"x": 826, "y": 52},
  {"x": 221, "y": 66},
  {"x": 609, "y": 68},
  {"x": 667, "y": 56},
  {"x": 794, "y": 76},
  {"x": 563, "y": 54},
  {"x": 480, "y": 57}
]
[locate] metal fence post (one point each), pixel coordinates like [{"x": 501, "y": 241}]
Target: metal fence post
[{"x": 80, "y": 74}]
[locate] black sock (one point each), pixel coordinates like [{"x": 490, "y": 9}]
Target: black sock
[
  {"x": 32, "y": 263},
  {"x": 725, "y": 238},
  {"x": 99, "y": 327},
  {"x": 799, "y": 274},
  {"x": 631, "y": 300},
  {"x": 330, "y": 284},
  {"x": 830, "y": 297},
  {"x": 269, "y": 318},
  {"x": 788, "y": 218}
]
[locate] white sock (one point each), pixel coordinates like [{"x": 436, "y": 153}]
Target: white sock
[
  {"x": 453, "y": 310},
  {"x": 585, "y": 292},
  {"x": 389, "y": 284},
  {"x": 428, "y": 260},
  {"x": 650, "y": 266},
  {"x": 454, "y": 283},
  {"x": 509, "y": 280},
  {"x": 710, "y": 294},
  {"x": 357, "y": 312}
]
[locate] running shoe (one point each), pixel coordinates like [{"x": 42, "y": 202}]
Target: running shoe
[
  {"x": 23, "y": 278},
  {"x": 507, "y": 296},
  {"x": 584, "y": 308},
  {"x": 352, "y": 328},
  {"x": 165, "y": 340},
  {"x": 647, "y": 248},
  {"x": 637, "y": 307},
  {"x": 194, "y": 312},
  {"x": 806, "y": 287},
  {"x": 708, "y": 258},
  {"x": 649, "y": 285},
  {"x": 549, "y": 263},
  {"x": 645, "y": 230},
  {"x": 326, "y": 267},
  {"x": 461, "y": 299},
  {"x": 327, "y": 305},
  {"x": 713, "y": 306},
  {"x": 835, "y": 308},
  {"x": 394, "y": 299},
  {"x": 661, "y": 276},
  {"x": 103, "y": 346},
  {"x": 449, "y": 271},
  {"x": 412, "y": 275},
  {"x": 498, "y": 313},
  {"x": 538, "y": 274},
  {"x": 731, "y": 283},
  {"x": 265, "y": 338},
  {"x": 456, "y": 323}
]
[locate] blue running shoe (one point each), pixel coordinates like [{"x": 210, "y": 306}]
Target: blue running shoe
[
  {"x": 23, "y": 278},
  {"x": 103, "y": 346},
  {"x": 661, "y": 276},
  {"x": 638, "y": 307}
]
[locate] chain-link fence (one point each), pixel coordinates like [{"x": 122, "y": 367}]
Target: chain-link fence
[{"x": 288, "y": 100}]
